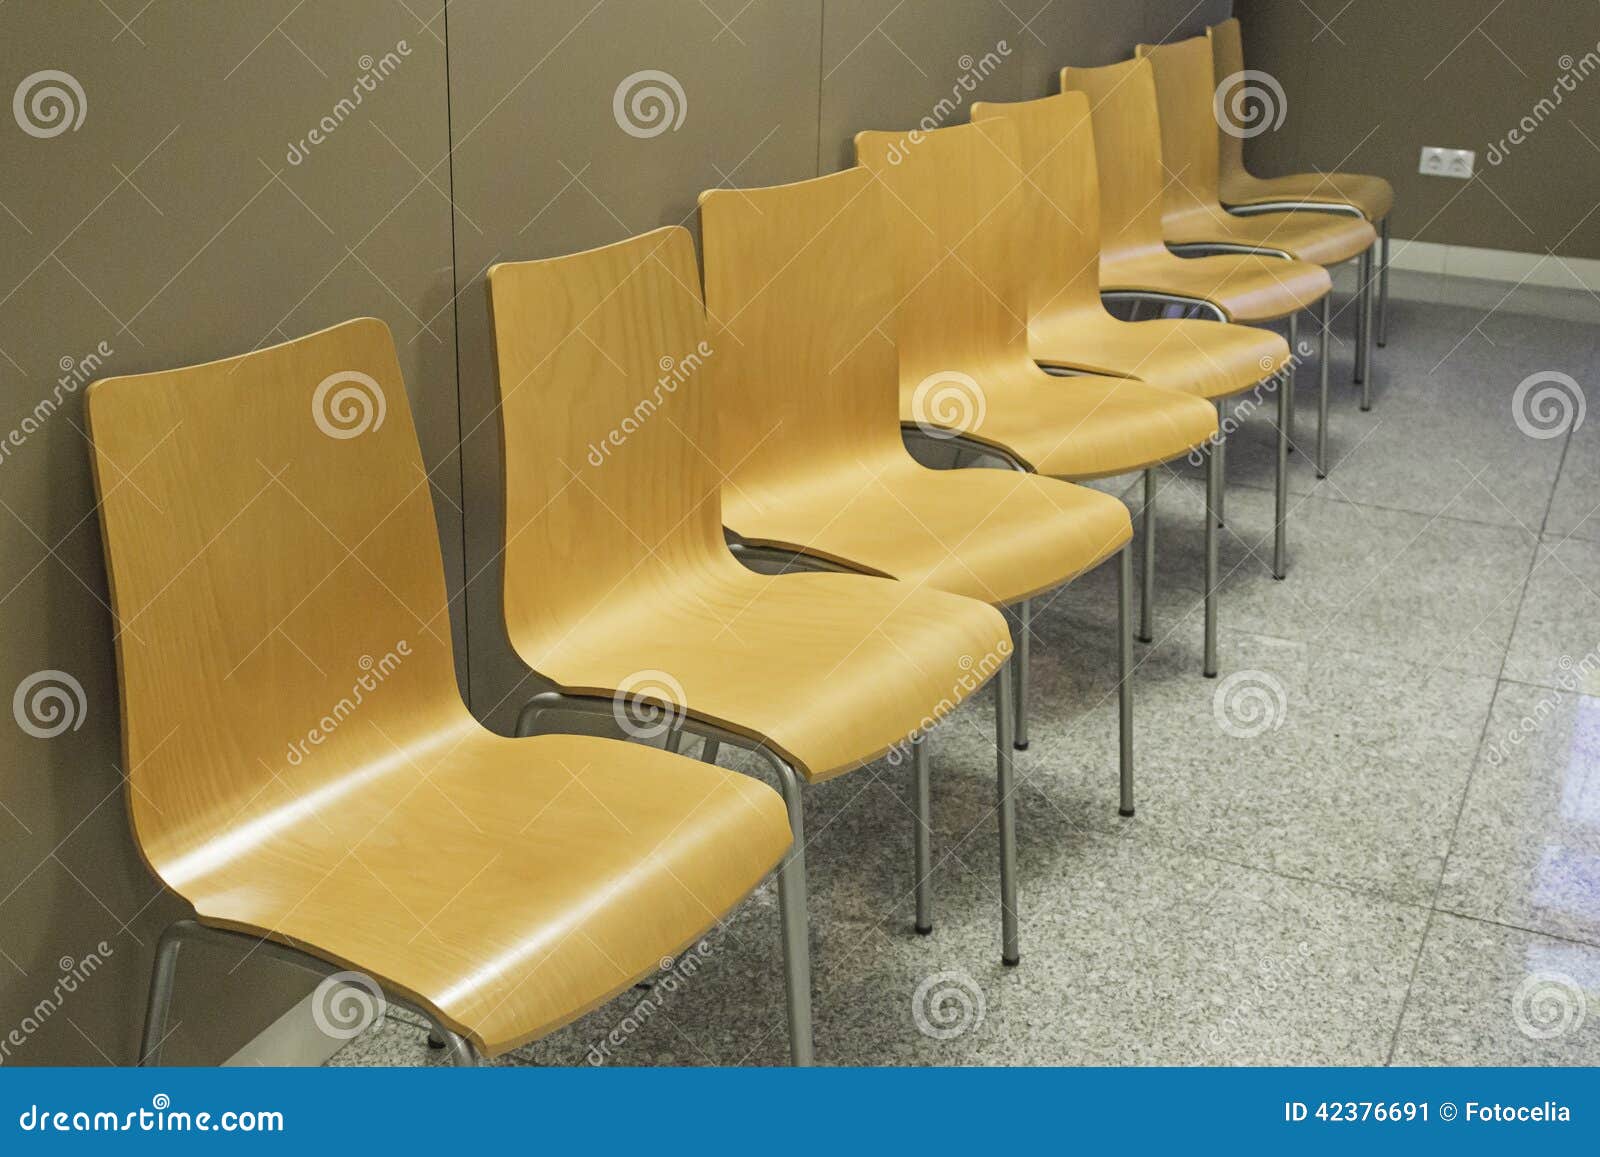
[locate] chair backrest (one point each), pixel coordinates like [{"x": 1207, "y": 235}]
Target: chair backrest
[
  {"x": 1127, "y": 135},
  {"x": 955, "y": 204},
  {"x": 1184, "y": 99},
  {"x": 278, "y": 592},
  {"x": 607, "y": 438},
  {"x": 1055, "y": 142},
  {"x": 1227, "y": 61},
  {"x": 800, "y": 293}
]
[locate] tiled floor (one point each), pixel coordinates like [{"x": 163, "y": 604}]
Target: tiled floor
[{"x": 1398, "y": 862}]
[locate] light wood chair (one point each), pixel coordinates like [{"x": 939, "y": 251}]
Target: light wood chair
[
  {"x": 957, "y": 221},
  {"x": 799, "y": 290},
  {"x": 1367, "y": 196},
  {"x": 620, "y": 589},
  {"x": 1069, "y": 327},
  {"x": 300, "y": 766},
  {"x": 1193, "y": 219}
]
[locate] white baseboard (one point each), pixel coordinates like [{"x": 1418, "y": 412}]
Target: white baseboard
[{"x": 1551, "y": 270}]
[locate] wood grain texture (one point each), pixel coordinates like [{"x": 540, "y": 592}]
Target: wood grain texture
[
  {"x": 1068, "y": 326},
  {"x": 617, "y": 575},
  {"x": 1133, "y": 254},
  {"x": 800, "y": 289},
  {"x": 1191, "y": 204},
  {"x": 957, "y": 200},
  {"x": 1373, "y": 195},
  {"x": 300, "y": 764}
]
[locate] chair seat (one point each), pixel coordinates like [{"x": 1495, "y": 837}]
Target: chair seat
[
  {"x": 827, "y": 670},
  {"x": 1203, "y": 358},
  {"x": 1081, "y": 427},
  {"x": 1374, "y": 196},
  {"x": 1245, "y": 286},
  {"x": 508, "y": 885},
  {"x": 1320, "y": 238},
  {"x": 994, "y": 535}
]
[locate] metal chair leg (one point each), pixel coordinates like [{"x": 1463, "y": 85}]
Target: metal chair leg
[
  {"x": 922, "y": 829},
  {"x": 1023, "y": 661},
  {"x": 710, "y": 750},
  {"x": 1280, "y": 541},
  {"x": 1363, "y": 313},
  {"x": 1214, "y": 482},
  {"x": 1221, "y": 450},
  {"x": 1010, "y": 953},
  {"x": 792, "y": 913},
  {"x": 1322, "y": 388},
  {"x": 1125, "y": 676},
  {"x": 162, "y": 979},
  {"x": 1148, "y": 587},
  {"x": 462, "y": 1054},
  {"x": 1365, "y": 352},
  {"x": 1383, "y": 285}
]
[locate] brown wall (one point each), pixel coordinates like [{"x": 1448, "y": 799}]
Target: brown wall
[
  {"x": 1384, "y": 78},
  {"x": 171, "y": 226}
]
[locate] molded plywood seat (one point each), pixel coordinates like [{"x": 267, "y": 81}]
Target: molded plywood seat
[
  {"x": 622, "y": 567},
  {"x": 1371, "y": 195},
  {"x": 301, "y": 766},
  {"x": 1068, "y": 325},
  {"x": 1192, "y": 211},
  {"x": 1134, "y": 258}
]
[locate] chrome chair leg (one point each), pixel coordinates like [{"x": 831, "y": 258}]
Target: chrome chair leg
[
  {"x": 1214, "y": 482},
  {"x": 1148, "y": 587},
  {"x": 462, "y": 1054},
  {"x": 792, "y": 913},
  {"x": 1363, "y": 314},
  {"x": 1220, "y": 449},
  {"x": 1023, "y": 660},
  {"x": 922, "y": 829},
  {"x": 1322, "y": 388},
  {"x": 1005, "y": 787},
  {"x": 674, "y": 740},
  {"x": 710, "y": 750},
  {"x": 1383, "y": 285},
  {"x": 1365, "y": 352},
  {"x": 1125, "y": 675},
  {"x": 162, "y": 979},
  {"x": 1280, "y": 540}
]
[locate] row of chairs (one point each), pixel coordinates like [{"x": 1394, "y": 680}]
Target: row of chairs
[{"x": 301, "y": 767}]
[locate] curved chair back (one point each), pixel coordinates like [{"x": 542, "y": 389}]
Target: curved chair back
[
  {"x": 1055, "y": 141},
  {"x": 1127, "y": 127},
  {"x": 800, "y": 293},
  {"x": 281, "y": 630},
  {"x": 607, "y": 438},
  {"x": 1227, "y": 60},
  {"x": 1184, "y": 99},
  {"x": 955, "y": 201}
]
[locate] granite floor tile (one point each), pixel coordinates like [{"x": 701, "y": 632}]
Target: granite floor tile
[
  {"x": 1556, "y": 642},
  {"x": 1575, "y": 509}
]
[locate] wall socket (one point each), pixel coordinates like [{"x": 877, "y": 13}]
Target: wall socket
[{"x": 1437, "y": 162}]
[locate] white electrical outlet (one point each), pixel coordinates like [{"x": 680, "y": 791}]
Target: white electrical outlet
[{"x": 1437, "y": 162}]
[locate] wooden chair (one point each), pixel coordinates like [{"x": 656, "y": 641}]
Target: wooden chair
[
  {"x": 957, "y": 221},
  {"x": 620, "y": 589},
  {"x": 300, "y": 766},
  {"x": 1070, "y": 328},
  {"x": 1193, "y": 219},
  {"x": 799, "y": 286},
  {"x": 1369, "y": 197}
]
